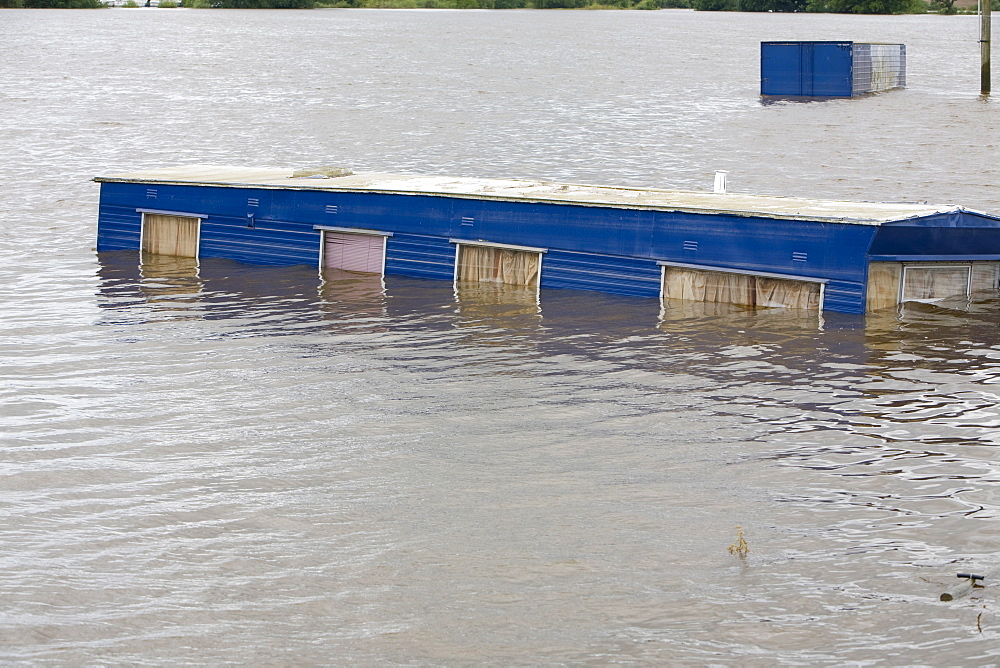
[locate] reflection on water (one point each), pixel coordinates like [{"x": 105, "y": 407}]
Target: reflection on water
[
  {"x": 358, "y": 283},
  {"x": 355, "y": 296},
  {"x": 381, "y": 438},
  {"x": 498, "y": 302},
  {"x": 680, "y": 313},
  {"x": 165, "y": 278}
]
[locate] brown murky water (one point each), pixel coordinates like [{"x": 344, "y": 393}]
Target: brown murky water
[{"x": 233, "y": 464}]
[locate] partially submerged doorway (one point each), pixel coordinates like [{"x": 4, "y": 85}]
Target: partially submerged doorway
[
  {"x": 168, "y": 233},
  {"x": 354, "y": 250},
  {"x": 725, "y": 286},
  {"x": 498, "y": 263},
  {"x": 894, "y": 283}
]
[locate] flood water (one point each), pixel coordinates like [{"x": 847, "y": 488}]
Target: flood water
[{"x": 225, "y": 464}]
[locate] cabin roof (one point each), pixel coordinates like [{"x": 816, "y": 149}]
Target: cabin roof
[{"x": 793, "y": 208}]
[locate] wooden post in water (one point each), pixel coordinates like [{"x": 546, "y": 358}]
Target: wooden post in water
[{"x": 984, "y": 45}]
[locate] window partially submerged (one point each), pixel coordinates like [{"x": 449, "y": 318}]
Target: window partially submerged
[
  {"x": 893, "y": 283},
  {"x": 170, "y": 233},
  {"x": 935, "y": 283},
  {"x": 724, "y": 286},
  {"x": 497, "y": 263}
]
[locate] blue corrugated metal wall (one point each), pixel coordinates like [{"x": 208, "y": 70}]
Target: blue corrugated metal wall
[
  {"x": 936, "y": 235},
  {"x": 845, "y": 296},
  {"x": 806, "y": 69},
  {"x": 268, "y": 242},
  {"x": 798, "y": 248},
  {"x": 420, "y": 255},
  {"x": 593, "y": 248},
  {"x": 781, "y": 69},
  {"x": 118, "y": 228},
  {"x": 605, "y": 273},
  {"x": 830, "y": 69}
]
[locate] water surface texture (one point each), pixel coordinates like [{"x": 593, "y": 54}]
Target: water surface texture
[{"x": 225, "y": 464}]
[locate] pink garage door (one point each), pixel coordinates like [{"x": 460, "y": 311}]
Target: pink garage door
[{"x": 353, "y": 252}]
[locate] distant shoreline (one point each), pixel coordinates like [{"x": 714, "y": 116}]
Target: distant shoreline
[{"x": 866, "y": 7}]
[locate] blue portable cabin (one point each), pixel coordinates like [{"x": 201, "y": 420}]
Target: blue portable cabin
[
  {"x": 734, "y": 248},
  {"x": 830, "y": 69}
]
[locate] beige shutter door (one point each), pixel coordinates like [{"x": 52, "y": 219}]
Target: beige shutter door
[
  {"x": 717, "y": 287},
  {"x": 354, "y": 252},
  {"x": 498, "y": 265},
  {"x": 170, "y": 235}
]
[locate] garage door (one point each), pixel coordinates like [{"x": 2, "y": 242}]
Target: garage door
[
  {"x": 353, "y": 252},
  {"x": 164, "y": 234}
]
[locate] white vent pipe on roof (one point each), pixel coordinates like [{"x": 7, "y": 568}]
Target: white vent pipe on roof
[{"x": 720, "y": 182}]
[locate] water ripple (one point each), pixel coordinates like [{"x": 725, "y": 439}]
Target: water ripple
[{"x": 221, "y": 463}]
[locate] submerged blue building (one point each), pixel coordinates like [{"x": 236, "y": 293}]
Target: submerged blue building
[
  {"x": 712, "y": 247},
  {"x": 830, "y": 69}
]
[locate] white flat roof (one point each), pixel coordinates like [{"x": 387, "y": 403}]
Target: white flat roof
[{"x": 793, "y": 208}]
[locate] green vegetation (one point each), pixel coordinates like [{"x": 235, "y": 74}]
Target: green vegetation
[
  {"x": 944, "y": 6},
  {"x": 506, "y": 4},
  {"x": 260, "y": 4},
  {"x": 834, "y": 6},
  {"x": 868, "y": 6},
  {"x": 51, "y": 4},
  {"x": 831, "y": 6}
]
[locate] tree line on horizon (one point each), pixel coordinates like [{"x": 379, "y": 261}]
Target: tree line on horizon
[{"x": 784, "y": 6}]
